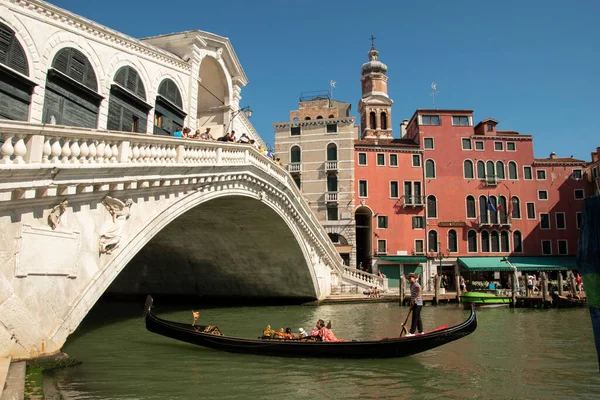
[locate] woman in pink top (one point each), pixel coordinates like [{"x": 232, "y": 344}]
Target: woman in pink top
[{"x": 323, "y": 333}]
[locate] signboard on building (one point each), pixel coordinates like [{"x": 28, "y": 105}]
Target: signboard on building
[{"x": 457, "y": 224}]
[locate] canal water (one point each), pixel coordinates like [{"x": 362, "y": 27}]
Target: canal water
[{"x": 523, "y": 353}]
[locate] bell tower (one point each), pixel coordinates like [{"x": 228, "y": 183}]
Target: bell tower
[{"x": 375, "y": 107}]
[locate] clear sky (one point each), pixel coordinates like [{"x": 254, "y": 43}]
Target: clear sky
[{"x": 533, "y": 65}]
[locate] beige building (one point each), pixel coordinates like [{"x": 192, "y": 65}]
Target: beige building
[{"x": 316, "y": 145}]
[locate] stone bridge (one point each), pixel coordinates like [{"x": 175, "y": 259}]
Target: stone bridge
[{"x": 198, "y": 218}]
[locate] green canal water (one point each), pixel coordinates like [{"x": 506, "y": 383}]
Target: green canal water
[{"x": 513, "y": 354}]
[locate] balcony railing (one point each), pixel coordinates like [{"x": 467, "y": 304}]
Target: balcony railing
[
  {"x": 490, "y": 180},
  {"x": 331, "y": 197},
  {"x": 495, "y": 220},
  {"x": 331, "y": 165},
  {"x": 413, "y": 201},
  {"x": 295, "y": 167}
]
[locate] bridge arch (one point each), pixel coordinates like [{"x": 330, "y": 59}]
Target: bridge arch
[{"x": 256, "y": 193}]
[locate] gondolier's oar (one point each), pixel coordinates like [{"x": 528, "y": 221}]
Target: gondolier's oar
[{"x": 404, "y": 330}]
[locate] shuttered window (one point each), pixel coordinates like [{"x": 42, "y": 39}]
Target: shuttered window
[
  {"x": 127, "y": 108},
  {"x": 170, "y": 106},
  {"x": 11, "y": 52},
  {"x": 75, "y": 65}
]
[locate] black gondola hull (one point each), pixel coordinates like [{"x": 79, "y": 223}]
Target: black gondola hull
[{"x": 385, "y": 348}]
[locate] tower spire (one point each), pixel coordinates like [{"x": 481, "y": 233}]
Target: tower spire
[{"x": 372, "y": 39}]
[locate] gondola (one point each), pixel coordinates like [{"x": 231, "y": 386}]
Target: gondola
[
  {"x": 209, "y": 336},
  {"x": 567, "y": 302}
]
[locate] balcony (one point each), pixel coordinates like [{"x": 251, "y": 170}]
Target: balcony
[
  {"x": 294, "y": 167},
  {"x": 495, "y": 220},
  {"x": 413, "y": 201},
  {"x": 331, "y": 197},
  {"x": 331, "y": 166},
  {"x": 490, "y": 180}
]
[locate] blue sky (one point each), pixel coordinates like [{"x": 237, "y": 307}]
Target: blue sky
[{"x": 532, "y": 65}]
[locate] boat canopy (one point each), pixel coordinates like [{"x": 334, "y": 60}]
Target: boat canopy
[
  {"x": 475, "y": 264},
  {"x": 405, "y": 259}
]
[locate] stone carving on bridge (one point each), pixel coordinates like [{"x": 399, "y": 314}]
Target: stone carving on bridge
[
  {"x": 55, "y": 213},
  {"x": 120, "y": 213}
]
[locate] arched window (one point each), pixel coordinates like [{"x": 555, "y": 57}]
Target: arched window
[
  {"x": 452, "y": 241},
  {"x": 168, "y": 109},
  {"x": 480, "y": 170},
  {"x": 504, "y": 243},
  {"x": 495, "y": 242},
  {"x": 483, "y": 210},
  {"x": 502, "y": 210},
  {"x": 15, "y": 90},
  {"x": 429, "y": 169},
  {"x": 71, "y": 96},
  {"x": 493, "y": 205},
  {"x": 516, "y": 207},
  {"x": 332, "y": 183},
  {"x": 512, "y": 170},
  {"x": 295, "y": 154},
  {"x": 307, "y": 118},
  {"x": 471, "y": 209},
  {"x": 517, "y": 242},
  {"x": 319, "y": 117},
  {"x": 383, "y": 120},
  {"x": 296, "y": 119},
  {"x": 472, "y": 241},
  {"x": 431, "y": 206},
  {"x": 468, "y": 169},
  {"x": 485, "y": 242},
  {"x": 490, "y": 169},
  {"x": 331, "y": 116},
  {"x": 500, "y": 170},
  {"x": 127, "y": 107},
  {"x": 331, "y": 152},
  {"x": 432, "y": 239},
  {"x": 372, "y": 120}
]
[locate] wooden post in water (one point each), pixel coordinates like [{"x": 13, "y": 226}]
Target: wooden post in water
[
  {"x": 572, "y": 283},
  {"x": 436, "y": 297},
  {"x": 515, "y": 282},
  {"x": 402, "y": 290},
  {"x": 457, "y": 283},
  {"x": 544, "y": 289},
  {"x": 560, "y": 283}
]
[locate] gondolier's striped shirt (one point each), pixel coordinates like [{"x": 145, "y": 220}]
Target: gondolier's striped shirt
[{"x": 414, "y": 291}]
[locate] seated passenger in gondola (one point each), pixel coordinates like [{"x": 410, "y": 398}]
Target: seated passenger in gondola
[
  {"x": 288, "y": 334},
  {"x": 323, "y": 333}
]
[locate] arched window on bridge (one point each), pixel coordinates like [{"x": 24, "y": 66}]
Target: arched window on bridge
[
  {"x": 127, "y": 107},
  {"x": 15, "y": 88},
  {"x": 168, "y": 111},
  {"x": 71, "y": 97}
]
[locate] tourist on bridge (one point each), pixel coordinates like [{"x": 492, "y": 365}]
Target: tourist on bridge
[{"x": 416, "y": 303}]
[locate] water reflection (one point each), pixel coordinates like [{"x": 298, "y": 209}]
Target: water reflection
[{"x": 513, "y": 354}]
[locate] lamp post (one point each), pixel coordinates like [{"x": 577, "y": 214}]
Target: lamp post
[{"x": 246, "y": 110}]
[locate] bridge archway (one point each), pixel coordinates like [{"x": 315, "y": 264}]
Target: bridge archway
[{"x": 213, "y": 96}]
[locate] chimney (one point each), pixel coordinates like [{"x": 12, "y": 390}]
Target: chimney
[
  {"x": 596, "y": 155},
  {"x": 403, "y": 126},
  {"x": 553, "y": 155}
]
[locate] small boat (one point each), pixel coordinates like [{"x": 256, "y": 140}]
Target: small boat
[
  {"x": 564, "y": 301},
  {"x": 210, "y": 336},
  {"x": 485, "y": 300}
]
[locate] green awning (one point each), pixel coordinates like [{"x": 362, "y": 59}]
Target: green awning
[
  {"x": 475, "y": 264},
  {"x": 521, "y": 263},
  {"x": 404, "y": 259},
  {"x": 415, "y": 270},
  {"x": 544, "y": 263}
]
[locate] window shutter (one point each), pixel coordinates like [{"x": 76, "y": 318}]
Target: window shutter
[
  {"x": 120, "y": 76},
  {"x": 6, "y": 36},
  {"x": 131, "y": 83},
  {"x": 61, "y": 60}
]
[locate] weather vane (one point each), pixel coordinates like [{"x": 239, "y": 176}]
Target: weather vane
[
  {"x": 372, "y": 38},
  {"x": 434, "y": 91},
  {"x": 331, "y": 86}
]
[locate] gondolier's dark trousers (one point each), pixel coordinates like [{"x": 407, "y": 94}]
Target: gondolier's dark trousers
[{"x": 416, "y": 320}]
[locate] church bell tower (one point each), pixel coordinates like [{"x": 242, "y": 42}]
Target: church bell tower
[{"x": 375, "y": 107}]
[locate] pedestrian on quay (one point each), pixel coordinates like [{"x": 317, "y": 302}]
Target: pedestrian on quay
[{"x": 416, "y": 303}]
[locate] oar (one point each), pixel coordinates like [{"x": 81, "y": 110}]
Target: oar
[{"x": 404, "y": 330}]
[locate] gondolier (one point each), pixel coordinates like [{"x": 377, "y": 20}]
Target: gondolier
[{"x": 416, "y": 302}]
